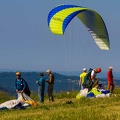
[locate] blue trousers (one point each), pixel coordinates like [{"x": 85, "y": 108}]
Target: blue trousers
[{"x": 41, "y": 93}]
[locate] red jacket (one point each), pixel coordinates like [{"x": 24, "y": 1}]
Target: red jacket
[{"x": 110, "y": 76}]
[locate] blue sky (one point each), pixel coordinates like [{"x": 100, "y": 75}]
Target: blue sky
[{"x": 26, "y": 42}]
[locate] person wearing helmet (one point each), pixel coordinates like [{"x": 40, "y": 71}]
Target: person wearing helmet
[
  {"x": 50, "y": 82},
  {"x": 110, "y": 86},
  {"x": 93, "y": 76},
  {"x": 82, "y": 75},
  {"x": 21, "y": 85}
]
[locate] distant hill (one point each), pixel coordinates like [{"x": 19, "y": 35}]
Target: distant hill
[{"x": 62, "y": 82}]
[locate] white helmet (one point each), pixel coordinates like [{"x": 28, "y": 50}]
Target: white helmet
[
  {"x": 111, "y": 68},
  {"x": 84, "y": 69}
]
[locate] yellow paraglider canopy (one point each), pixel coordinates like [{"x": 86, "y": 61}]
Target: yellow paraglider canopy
[{"x": 60, "y": 16}]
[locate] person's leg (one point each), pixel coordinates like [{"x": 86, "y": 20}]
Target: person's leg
[
  {"x": 49, "y": 92},
  {"x": 52, "y": 93},
  {"x": 108, "y": 87},
  {"x": 39, "y": 93},
  {"x": 42, "y": 94},
  {"x": 112, "y": 88}
]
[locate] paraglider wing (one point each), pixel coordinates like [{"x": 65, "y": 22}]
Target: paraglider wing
[{"x": 60, "y": 16}]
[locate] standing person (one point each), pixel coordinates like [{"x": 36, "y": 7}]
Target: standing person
[
  {"x": 21, "y": 85},
  {"x": 82, "y": 75},
  {"x": 41, "y": 87},
  {"x": 110, "y": 80},
  {"x": 50, "y": 84},
  {"x": 94, "y": 78}
]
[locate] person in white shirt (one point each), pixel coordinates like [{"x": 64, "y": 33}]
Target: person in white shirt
[{"x": 93, "y": 76}]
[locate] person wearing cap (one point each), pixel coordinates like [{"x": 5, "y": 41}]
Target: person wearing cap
[
  {"x": 82, "y": 75},
  {"x": 41, "y": 87},
  {"x": 94, "y": 78},
  {"x": 110, "y": 86},
  {"x": 21, "y": 85},
  {"x": 50, "y": 82}
]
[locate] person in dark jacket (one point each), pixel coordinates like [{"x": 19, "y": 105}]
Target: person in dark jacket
[
  {"x": 21, "y": 85},
  {"x": 41, "y": 87},
  {"x": 50, "y": 82}
]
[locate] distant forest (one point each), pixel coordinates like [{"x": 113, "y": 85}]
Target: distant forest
[{"x": 62, "y": 82}]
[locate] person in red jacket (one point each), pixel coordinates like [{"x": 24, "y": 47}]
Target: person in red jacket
[{"x": 110, "y": 80}]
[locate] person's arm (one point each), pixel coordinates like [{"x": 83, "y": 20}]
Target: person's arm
[
  {"x": 50, "y": 79},
  {"x": 36, "y": 82},
  {"x": 80, "y": 80},
  {"x": 93, "y": 78},
  {"x": 16, "y": 86}
]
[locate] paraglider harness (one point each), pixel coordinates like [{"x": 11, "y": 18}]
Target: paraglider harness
[
  {"x": 87, "y": 80},
  {"x": 26, "y": 90}
]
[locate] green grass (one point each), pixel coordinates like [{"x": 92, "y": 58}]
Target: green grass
[{"x": 84, "y": 109}]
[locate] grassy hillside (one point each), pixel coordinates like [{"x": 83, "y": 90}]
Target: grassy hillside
[{"x": 84, "y": 109}]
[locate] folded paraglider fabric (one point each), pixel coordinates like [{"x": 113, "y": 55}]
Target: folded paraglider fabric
[
  {"x": 90, "y": 95},
  {"x": 98, "y": 93},
  {"x": 82, "y": 93},
  {"x": 28, "y": 100},
  {"x": 22, "y": 101},
  {"x": 94, "y": 93},
  {"x": 12, "y": 103}
]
